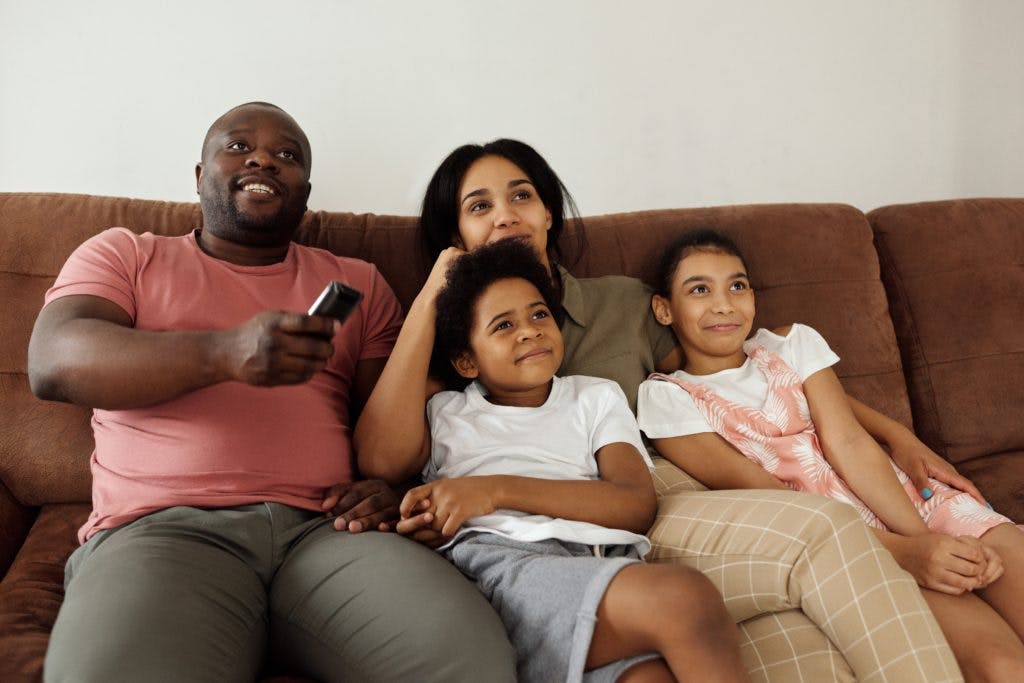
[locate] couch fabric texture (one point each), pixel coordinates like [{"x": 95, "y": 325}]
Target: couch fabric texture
[{"x": 922, "y": 302}]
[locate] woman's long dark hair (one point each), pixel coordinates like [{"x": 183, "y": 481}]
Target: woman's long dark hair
[{"x": 439, "y": 219}]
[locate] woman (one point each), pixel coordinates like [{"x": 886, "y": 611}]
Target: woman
[{"x": 774, "y": 578}]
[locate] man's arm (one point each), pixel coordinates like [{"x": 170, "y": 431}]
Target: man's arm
[{"x": 84, "y": 350}]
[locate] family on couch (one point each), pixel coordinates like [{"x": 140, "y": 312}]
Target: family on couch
[{"x": 222, "y": 427}]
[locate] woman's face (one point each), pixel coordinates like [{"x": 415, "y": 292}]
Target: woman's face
[{"x": 497, "y": 201}]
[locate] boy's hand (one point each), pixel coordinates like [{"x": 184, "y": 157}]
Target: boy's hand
[
  {"x": 452, "y": 502},
  {"x": 944, "y": 563},
  {"x": 921, "y": 462},
  {"x": 361, "y": 505},
  {"x": 418, "y": 526}
]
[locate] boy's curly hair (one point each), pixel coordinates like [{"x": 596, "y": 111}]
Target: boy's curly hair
[{"x": 468, "y": 278}]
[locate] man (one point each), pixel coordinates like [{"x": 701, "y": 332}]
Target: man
[{"x": 221, "y": 422}]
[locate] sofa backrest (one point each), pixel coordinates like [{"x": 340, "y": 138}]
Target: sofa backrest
[
  {"x": 810, "y": 263},
  {"x": 954, "y": 271}
]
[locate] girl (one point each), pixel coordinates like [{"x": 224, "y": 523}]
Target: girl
[
  {"x": 775, "y": 399},
  {"x": 541, "y": 484}
]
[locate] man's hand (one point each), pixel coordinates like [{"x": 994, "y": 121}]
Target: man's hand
[
  {"x": 946, "y": 564},
  {"x": 920, "y": 462},
  {"x": 361, "y": 505},
  {"x": 274, "y": 348},
  {"x": 451, "y": 502}
]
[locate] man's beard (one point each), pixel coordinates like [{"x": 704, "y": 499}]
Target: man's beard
[{"x": 223, "y": 218}]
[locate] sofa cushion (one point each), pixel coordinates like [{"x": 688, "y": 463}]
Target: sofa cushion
[{"x": 953, "y": 273}]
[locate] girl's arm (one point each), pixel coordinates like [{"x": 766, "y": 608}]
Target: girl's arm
[
  {"x": 623, "y": 498},
  {"x": 391, "y": 439},
  {"x": 715, "y": 462},
  {"x": 858, "y": 458},
  {"x": 913, "y": 457}
]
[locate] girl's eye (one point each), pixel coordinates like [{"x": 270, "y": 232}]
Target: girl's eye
[
  {"x": 478, "y": 207},
  {"x": 738, "y": 286},
  {"x": 700, "y": 289},
  {"x": 538, "y": 315},
  {"x": 503, "y": 325}
]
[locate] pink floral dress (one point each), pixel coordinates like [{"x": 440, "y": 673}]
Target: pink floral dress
[{"x": 780, "y": 437}]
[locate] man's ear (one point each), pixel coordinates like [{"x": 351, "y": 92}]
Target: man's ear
[
  {"x": 465, "y": 366},
  {"x": 662, "y": 309},
  {"x": 199, "y": 175}
]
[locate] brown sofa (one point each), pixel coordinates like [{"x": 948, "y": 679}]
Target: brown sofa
[{"x": 922, "y": 302}]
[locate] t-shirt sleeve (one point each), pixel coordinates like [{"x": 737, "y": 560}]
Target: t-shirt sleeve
[
  {"x": 665, "y": 410},
  {"x": 383, "y": 318},
  {"x": 106, "y": 266},
  {"x": 614, "y": 421},
  {"x": 803, "y": 349}
]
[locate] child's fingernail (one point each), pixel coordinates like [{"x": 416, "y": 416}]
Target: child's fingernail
[{"x": 926, "y": 493}]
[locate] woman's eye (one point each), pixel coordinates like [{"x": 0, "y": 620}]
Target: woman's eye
[
  {"x": 478, "y": 207},
  {"x": 521, "y": 195}
]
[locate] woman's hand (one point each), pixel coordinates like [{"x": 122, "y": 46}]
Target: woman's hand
[
  {"x": 921, "y": 462},
  {"x": 438, "y": 276}
]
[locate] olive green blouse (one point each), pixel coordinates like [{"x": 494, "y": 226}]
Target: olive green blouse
[{"x": 610, "y": 331}]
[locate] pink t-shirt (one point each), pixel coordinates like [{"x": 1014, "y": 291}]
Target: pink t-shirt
[{"x": 231, "y": 443}]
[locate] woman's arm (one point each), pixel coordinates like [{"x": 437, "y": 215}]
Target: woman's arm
[
  {"x": 913, "y": 456},
  {"x": 391, "y": 439},
  {"x": 858, "y": 458},
  {"x": 715, "y": 462},
  {"x": 623, "y": 498}
]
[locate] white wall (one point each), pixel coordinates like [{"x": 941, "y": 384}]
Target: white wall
[{"x": 645, "y": 104}]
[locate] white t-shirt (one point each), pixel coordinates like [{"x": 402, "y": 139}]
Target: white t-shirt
[
  {"x": 665, "y": 410},
  {"x": 470, "y": 436}
]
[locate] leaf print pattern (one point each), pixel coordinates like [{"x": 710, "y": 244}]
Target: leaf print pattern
[{"x": 781, "y": 438}]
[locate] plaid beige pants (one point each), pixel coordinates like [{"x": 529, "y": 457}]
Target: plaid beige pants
[{"x": 816, "y": 596}]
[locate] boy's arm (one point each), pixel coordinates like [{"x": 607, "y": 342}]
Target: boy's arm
[
  {"x": 715, "y": 462},
  {"x": 858, "y": 458},
  {"x": 623, "y": 498},
  {"x": 910, "y": 453},
  {"x": 391, "y": 438}
]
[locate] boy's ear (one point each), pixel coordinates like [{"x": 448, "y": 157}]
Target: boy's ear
[
  {"x": 464, "y": 365},
  {"x": 662, "y": 309}
]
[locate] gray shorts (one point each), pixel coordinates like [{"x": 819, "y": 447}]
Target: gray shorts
[{"x": 547, "y": 594}]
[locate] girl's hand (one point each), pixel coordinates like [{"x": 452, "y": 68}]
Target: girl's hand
[
  {"x": 453, "y": 502},
  {"x": 944, "y": 563},
  {"x": 995, "y": 565},
  {"x": 921, "y": 462}
]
